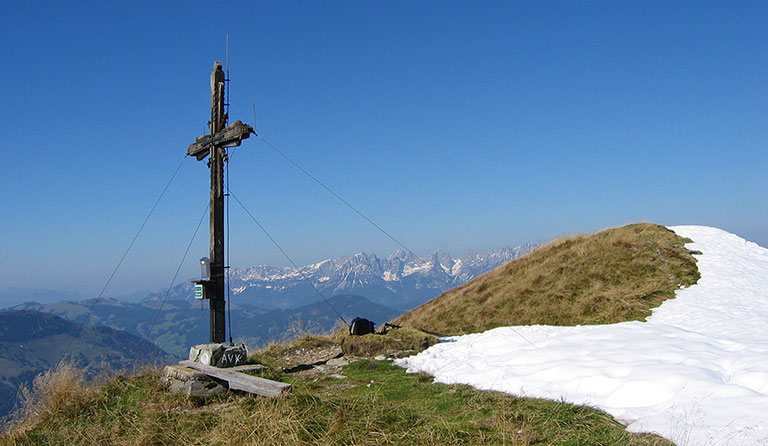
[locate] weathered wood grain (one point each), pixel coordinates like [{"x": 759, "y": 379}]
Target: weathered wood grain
[
  {"x": 241, "y": 381},
  {"x": 231, "y": 136}
]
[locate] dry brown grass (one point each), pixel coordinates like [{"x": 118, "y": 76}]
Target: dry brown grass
[
  {"x": 616, "y": 275},
  {"x": 62, "y": 410},
  {"x": 59, "y": 390}
]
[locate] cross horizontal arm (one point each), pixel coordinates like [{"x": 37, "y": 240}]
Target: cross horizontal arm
[{"x": 230, "y": 136}]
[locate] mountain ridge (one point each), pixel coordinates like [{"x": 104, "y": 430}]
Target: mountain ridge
[{"x": 401, "y": 280}]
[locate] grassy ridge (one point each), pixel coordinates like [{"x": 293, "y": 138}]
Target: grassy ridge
[
  {"x": 377, "y": 404},
  {"x": 616, "y": 275}
]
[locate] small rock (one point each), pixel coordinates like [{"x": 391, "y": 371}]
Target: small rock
[
  {"x": 202, "y": 389},
  {"x": 183, "y": 373},
  {"x": 404, "y": 354},
  {"x": 190, "y": 382},
  {"x": 380, "y": 358},
  {"x": 338, "y": 362}
]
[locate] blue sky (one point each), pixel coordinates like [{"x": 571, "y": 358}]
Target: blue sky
[{"x": 453, "y": 125}]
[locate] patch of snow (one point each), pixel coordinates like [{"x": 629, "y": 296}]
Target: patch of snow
[
  {"x": 695, "y": 373},
  {"x": 323, "y": 279},
  {"x": 319, "y": 264},
  {"x": 389, "y": 276},
  {"x": 456, "y": 267},
  {"x": 447, "y": 269},
  {"x": 408, "y": 269}
]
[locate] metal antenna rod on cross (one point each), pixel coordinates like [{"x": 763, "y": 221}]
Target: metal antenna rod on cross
[{"x": 214, "y": 146}]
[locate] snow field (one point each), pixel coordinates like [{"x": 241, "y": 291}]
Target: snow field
[{"x": 695, "y": 373}]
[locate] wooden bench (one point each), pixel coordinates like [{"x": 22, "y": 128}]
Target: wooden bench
[{"x": 241, "y": 381}]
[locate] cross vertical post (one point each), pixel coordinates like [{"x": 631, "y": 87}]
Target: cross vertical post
[
  {"x": 216, "y": 160},
  {"x": 214, "y": 145}
]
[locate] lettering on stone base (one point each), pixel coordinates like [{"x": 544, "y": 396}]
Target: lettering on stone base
[
  {"x": 219, "y": 355},
  {"x": 232, "y": 357}
]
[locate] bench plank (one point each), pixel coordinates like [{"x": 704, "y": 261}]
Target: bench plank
[{"x": 241, "y": 381}]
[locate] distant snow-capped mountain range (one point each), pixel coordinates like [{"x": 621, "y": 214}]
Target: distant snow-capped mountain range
[{"x": 401, "y": 280}]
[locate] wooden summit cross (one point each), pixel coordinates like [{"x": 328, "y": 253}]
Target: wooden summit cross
[{"x": 215, "y": 145}]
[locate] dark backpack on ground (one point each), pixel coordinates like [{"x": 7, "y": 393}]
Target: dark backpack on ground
[{"x": 360, "y": 326}]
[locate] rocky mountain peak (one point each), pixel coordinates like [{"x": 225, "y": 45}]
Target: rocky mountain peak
[{"x": 401, "y": 280}]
